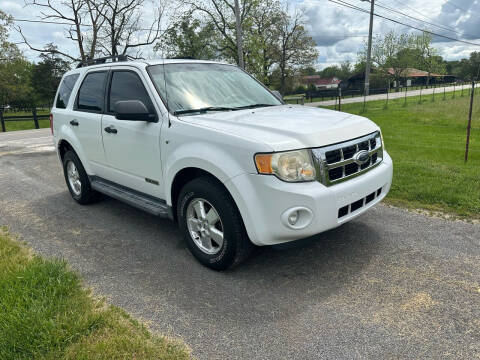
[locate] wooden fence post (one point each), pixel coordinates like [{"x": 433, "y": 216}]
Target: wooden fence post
[
  {"x": 35, "y": 118},
  {"x": 469, "y": 124},
  {"x": 2, "y": 120},
  {"x": 388, "y": 91},
  {"x": 339, "y": 98}
]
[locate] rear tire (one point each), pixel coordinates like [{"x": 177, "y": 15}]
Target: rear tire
[
  {"x": 216, "y": 235},
  {"x": 77, "y": 180}
]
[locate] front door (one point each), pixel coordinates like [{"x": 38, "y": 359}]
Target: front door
[{"x": 132, "y": 148}]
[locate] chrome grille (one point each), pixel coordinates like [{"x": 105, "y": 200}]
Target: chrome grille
[{"x": 343, "y": 161}]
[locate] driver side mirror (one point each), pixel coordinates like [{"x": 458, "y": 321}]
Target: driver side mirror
[
  {"x": 133, "y": 110},
  {"x": 277, "y": 94}
]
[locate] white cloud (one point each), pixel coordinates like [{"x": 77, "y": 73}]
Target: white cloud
[{"x": 331, "y": 25}]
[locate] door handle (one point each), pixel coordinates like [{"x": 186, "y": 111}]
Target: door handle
[
  {"x": 74, "y": 123},
  {"x": 111, "y": 130}
]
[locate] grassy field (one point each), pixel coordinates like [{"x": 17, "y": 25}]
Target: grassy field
[
  {"x": 27, "y": 124},
  {"x": 45, "y": 313},
  {"x": 427, "y": 144}
]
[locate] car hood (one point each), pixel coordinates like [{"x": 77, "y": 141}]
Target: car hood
[{"x": 287, "y": 127}]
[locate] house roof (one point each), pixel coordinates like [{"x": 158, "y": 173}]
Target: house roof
[
  {"x": 317, "y": 80},
  {"x": 411, "y": 72}
]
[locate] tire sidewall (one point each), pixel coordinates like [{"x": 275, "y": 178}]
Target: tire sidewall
[
  {"x": 224, "y": 258},
  {"x": 71, "y": 156}
]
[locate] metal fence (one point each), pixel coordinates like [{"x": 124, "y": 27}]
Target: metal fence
[
  {"x": 4, "y": 117},
  {"x": 330, "y": 94}
]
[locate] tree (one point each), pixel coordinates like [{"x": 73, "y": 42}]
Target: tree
[
  {"x": 82, "y": 15},
  {"x": 46, "y": 75},
  {"x": 221, "y": 13},
  {"x": 261, "y": 39},
  {"x": 189, "y": 38},
  {"x": 297, "y": 48},
  {"x": 108, "y": 27},
  {"x": 427, "y": 56},
  {"x": 15, "y": 70},
  {"x": 392, "y": 55},
  {"x": 123, "y": 23},
  {"x": 8, "y": 51},
  {"x": 470, "y": 68},
  {"x": 342, "y": 72}
]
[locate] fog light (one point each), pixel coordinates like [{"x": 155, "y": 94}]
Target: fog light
[
  {"x": 293, "y": 217},
  {"x": 296, "y": 218}
]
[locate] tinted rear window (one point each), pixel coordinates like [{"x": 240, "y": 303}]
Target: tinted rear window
[
  {"x": 126, "y": 85},
  {"x": 65, "y": 91},
  {"x": 91, "y": 93}
]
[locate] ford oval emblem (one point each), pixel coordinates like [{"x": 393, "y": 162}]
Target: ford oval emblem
[{"x": 361, "y": 157}]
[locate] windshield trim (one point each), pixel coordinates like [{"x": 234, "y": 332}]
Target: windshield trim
[{"x": 165, "y": 103}]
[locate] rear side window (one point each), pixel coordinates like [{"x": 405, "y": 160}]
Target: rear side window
[
  {"x": 65, "y": 91},
  {"x": 127, "y": 85},
  {"x": 91, "y": 94}
]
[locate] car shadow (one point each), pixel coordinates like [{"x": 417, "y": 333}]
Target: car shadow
[{"x": 144, "y": 257}]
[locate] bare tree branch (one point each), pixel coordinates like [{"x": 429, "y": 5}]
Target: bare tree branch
[
  {"x": 79, "y": 13},
  {"x": 51, "y": 51}
]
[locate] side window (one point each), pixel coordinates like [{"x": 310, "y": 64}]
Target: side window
[
  {"x": 91, "y": 93},
  {"x": 65, "y": 91},
  {"x": 127, "y": 85}
]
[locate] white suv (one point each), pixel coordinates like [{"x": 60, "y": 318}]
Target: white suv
[{"x": 208, "y": 146}]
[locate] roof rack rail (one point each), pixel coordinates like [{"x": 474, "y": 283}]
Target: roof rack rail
[{"x": 103, "y": 60}]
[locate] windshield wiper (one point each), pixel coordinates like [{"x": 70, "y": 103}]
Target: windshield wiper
[
  {"x": 252, "y": 106},
  {"x": 203, "y": 110}
]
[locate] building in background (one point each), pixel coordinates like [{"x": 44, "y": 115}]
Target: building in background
[
  {"x": 320, "y": 83},
  {"x": 410, "y": 77}
]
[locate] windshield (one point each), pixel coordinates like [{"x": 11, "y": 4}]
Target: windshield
[{"x": 197, "y": 87}]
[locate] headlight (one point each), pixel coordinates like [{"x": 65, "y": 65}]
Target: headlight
[
  {"x": 291, "y": 166},
  {"x": 381, "y": 139}
]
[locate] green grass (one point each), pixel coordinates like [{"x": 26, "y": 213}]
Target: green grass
[
  {"x": 27, "y": 124},
  {"x": 427, "y": 144},
  {"x": 45, "y": 313}
]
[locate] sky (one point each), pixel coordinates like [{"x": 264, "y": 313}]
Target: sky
[{"x": 338, "y": 31}]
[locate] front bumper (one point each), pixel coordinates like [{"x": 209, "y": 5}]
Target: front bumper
[{"x": 263, "y": 199}]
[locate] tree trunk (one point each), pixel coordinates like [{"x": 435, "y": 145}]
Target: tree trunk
[{"x": 239, "y": 36}]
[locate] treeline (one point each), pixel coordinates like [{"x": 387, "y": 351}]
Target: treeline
[{"x": 24, "y": 84}]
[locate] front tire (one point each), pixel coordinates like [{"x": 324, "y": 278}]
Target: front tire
[
  {"x": 211, "y": 224},
  {"x": 77, "y": 179}
]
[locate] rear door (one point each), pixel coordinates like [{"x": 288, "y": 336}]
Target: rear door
[
  {"x": 132, "y": 150},
  {"x": 87, "y": 116},
  {"x": 60, "y": 112}
]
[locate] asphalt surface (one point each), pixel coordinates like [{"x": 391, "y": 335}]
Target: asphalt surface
[
  {"x": 394, "y": 95},
  {"x": 388, "y": 285}
]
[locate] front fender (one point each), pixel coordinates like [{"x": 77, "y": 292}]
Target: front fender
[{"x": 205, "y": 156}]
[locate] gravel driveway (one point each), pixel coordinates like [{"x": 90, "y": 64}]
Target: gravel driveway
[{"x": 389, "y": 285}]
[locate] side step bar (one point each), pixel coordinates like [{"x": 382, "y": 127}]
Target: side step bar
[{"x": 132, "y": 197}]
